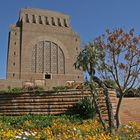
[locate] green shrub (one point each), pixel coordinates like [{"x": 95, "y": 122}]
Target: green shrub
[
  {"x": 86, "y": 107},
  {"x": 15, "y": 90},
  {"x": 23, "y": 89},
  {"x": 32, "y": 88},
  {"x": 12, "y": 90},
  {"x": 132, "y": 93},
  {"x": 60, "y": 88}
]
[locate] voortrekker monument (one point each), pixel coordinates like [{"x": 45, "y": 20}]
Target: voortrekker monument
[{"x": 42, "y": 49}]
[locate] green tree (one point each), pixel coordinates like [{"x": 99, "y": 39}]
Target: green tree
[
  {"x": 121, "y": 62},
  {"x": 88, "y": 60}
]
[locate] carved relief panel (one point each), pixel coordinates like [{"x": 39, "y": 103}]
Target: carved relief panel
[
  {"x": 47, "y": 57},
  {"x": 61, "y": 62},
  {"x": 33, "y": 59},
  {"x": 40, "y": 57},
  {"x": 54, "y": 57}
]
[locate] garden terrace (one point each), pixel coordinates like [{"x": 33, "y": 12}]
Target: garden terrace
[{"x": 48, "y": 102}]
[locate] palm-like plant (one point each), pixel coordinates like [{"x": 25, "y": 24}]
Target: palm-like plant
[
  {"x": 88, "y": 60},
  {"x": 89, "y": 57}
]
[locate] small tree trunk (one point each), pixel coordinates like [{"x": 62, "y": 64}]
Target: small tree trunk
[
  {"x": 97, "y": 108},
  {"x": 100, "y": 115},
  {"x": 108, "y": 103},
  {"x": 118, "y": 112}
]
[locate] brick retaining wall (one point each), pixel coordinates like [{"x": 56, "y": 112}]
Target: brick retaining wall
[{"x": 47, "y": 102}]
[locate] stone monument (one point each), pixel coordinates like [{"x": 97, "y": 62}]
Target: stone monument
[{"x": 42, "y": 49}]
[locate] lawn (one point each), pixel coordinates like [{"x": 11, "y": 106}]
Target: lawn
[{"x": 40, "y": 127}]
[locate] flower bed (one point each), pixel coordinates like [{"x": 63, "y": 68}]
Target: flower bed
[{"x": 60, "y": 128}]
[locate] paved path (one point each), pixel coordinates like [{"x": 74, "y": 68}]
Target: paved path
[{"x": 130, "y": 110}]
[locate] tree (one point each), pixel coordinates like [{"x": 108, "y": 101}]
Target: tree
[
  {"x": 121, "y": 62},
  {"x": 88, "y": 61}
]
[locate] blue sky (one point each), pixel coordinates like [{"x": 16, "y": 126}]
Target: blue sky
[{"x": 89, "y": 18}]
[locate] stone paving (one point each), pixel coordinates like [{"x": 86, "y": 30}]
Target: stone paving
[{"x": 130, "y": 110}]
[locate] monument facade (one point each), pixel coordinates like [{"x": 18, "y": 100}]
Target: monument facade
[{"x": 42, "y": 49}]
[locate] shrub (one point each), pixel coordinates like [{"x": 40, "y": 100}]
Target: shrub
[
  {"x": 132, "y": 93},
  {"x": 15, "y": 90},
  {"x": 60, "y": 88},
  {"x": 86, "y": 107},
  {"x": 12, "y": 90},
  {"x": 32, "y": 88}
]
